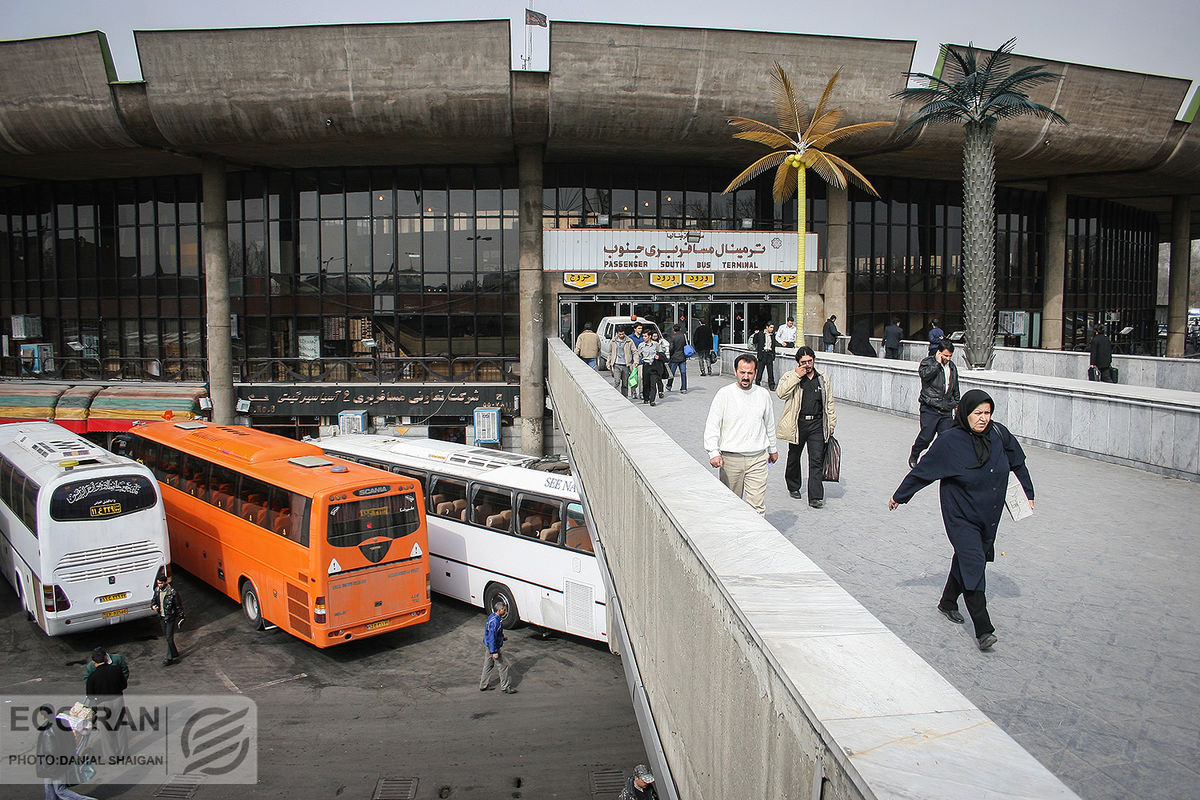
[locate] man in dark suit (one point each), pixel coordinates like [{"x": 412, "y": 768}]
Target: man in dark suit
[
  {"x": 764, "y": 349},
  {"x": 1101, "y": 355},
  {"x": 892, "y": 334},
  {"x": 939, "y": 397}
]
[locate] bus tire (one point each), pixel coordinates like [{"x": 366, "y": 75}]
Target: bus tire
[
  {"x": 498, "y": 591},
  {"x": 251, "y": 607}
]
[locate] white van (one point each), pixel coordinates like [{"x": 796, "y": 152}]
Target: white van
[{"x": 608, "y": 327}]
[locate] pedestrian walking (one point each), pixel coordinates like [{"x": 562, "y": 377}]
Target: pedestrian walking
[
  {"x": 116, "y": 659},
  {"x": 106, "y": 697},
  {"x": 1100, "y": 351},
  {"x": 764, "y": 353},
  {"x": 808, "y": 420},
  {"x": 702, "y": 340},
  {"x": 936, "y": 334},
  {"x": 972, "y": 460},
  {"x": 56, "y": 750},
  {"x": 648, "y": 358},
  {"x": 737, "y": 434},
  {"x": 169, "y": 606},
  {"x": 640, "y": 786},
  {"x": 860, "y": 341},
  {"x": 493, "y": 640},
  {"x": 622, "y": 357},
  {"x": 830, "y": 334},
  {"x": 786, "y": 335},
  {"x": 939, "y": 397},
  {"x": 677, "y": 360},
  {"x": 587, "y": 345},
  {"x": 892, "y": 336}
]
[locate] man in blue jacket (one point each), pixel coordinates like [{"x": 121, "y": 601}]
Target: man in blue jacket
[{"x": 493, "y": 639}]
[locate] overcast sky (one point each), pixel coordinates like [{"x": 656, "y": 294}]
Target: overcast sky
[{"x": 1154, "y": 36}]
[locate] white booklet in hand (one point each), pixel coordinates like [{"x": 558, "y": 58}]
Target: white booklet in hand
[{"x": 1015, "y": 500}]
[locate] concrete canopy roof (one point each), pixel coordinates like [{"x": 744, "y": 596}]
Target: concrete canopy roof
[{"x": 444, "y": 92}]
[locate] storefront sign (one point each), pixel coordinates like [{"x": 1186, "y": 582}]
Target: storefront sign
[
  {"x": 426, "y": 400},
  {"x": 604, "y": 249},
  {"x": 782, "y": 280},
  {"x": 699, "y": 280},
  {"x": 487, "y": 426},
  {"x": 579, "y": 280},
  {"x": 665, "y": 280}
]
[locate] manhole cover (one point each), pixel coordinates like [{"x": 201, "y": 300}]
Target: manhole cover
[
  {"x": 179, "y": 787},
  {"x": 395, "y": 789},
  {"x": 607, "y": 781}
]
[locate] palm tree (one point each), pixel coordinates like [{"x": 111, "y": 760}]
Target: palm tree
[
  {"x": 796, "y": 151},
  {"x": 978, "y": 95}
]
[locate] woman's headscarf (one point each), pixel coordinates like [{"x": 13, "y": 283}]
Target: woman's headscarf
[
  {"x": 982, "y": 441},
  {"x": 860, "y": 341}
]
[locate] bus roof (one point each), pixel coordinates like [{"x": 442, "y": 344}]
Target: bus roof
[
  {"x": 44, "y": 451},
  {"x": 284, "y": 462},
  {"x": 495, "y": 466}
]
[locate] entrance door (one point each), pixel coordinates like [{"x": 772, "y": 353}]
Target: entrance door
[
  {"x": 719, "y": 316},
  {"x": 574, "y": 314}
]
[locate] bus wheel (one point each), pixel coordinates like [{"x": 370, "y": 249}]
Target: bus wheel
[
  {"x": 498, "y": 591},
  {"x": 251, "y": 607}
]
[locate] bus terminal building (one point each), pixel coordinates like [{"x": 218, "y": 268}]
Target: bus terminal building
[{"x": 389, "y": 218}]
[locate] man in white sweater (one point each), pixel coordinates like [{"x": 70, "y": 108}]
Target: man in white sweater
[{"x": 737, "y": 434}]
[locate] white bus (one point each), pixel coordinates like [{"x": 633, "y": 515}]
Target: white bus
[
  {"x": 82, "y": 531},
  {"x": 498, "y": 528}
]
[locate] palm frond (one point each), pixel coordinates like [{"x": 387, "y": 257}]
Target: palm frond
[
  {"x": 823, "y": 125},
  {"x": 787, "y": 109},
  {"x": 849, "y": 130},
  {"x": 748, "y": 124},
  {"x": 819, "y": 112},
  {"x": 785, "y": 182},
  {"x": 757, "y": 168},
  {"x": 823, "y": 165},
  {"x": 769, "y": 138},
  {"x": 856, "y": 177}
]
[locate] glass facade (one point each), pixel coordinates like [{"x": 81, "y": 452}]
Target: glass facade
[{"x": 422, "y": 262}]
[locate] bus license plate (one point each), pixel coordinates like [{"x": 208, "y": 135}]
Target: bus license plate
[
  {"x": 383, "y": 623},
  {"x": 116, "y": 612},
  {"x": 108, "y": 598}
]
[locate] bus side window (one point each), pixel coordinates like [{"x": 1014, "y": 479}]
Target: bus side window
[
  {"x": 577, "y": 531},
  {"x": 279, "y": 513},
  {"x": 253, "y": 507},
  {"x": 196, "y": 471},
  {"x": 536, "y": 518},
  {"x": 6, "y": 478},
  {"x": 170, "y": 467},
  {"x": 445, "y": 493},
  {"x": 492, "y": 507},
  {"x": 29, "y": 493},
  {"x": 224, "y": 482}
]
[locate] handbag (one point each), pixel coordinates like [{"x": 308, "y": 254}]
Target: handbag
[
  {"x": 688, "y": 351},
  {"x": 633, "y": 377},
  {"x": 832, "y": 468},
  {"x": 1093, "y": 373}
]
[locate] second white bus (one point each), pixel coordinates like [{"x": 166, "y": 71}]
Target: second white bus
[
  {"x": 498, "y": 529},
  {"x": 83, "y": 533}
]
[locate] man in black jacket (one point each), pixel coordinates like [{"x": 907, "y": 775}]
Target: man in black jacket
[
  {"x": 892, "y": 335},
  {"x": 830, "y": 333},
  {"x": 169, "y": 606},
  {"x": 764, "y": 351},
  {"x": 939, "y": 397},
  {"x": 702, "y": 341},
  {"x": 1101, "y": 355}
]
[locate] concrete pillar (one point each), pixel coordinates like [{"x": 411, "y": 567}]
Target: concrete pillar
[
  {"x": 1056, "y": 266},
  {"x": 219, "y": 343},
  {"x": 837, "y": 247},
  {"x": 1181, "y": 257},
  {"x": 532, "y": 299}
]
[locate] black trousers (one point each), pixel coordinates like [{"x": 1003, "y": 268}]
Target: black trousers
[
  {"x": 975, "y": 599},
  {"x": 933, "y": 422},
  {"x": 168, "y": 628},
  {"x": 649, "y": 379},
  {"x": 811, "y": 433},
  {"x": 766, "y": 363}
]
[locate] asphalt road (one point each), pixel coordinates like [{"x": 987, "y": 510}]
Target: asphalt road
[{"x": 333, "y": 723}]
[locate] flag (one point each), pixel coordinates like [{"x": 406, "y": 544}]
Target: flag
[{"x": 535, "y": 18}]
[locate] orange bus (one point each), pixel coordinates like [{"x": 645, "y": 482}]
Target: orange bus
[{"x": 326, "y": 549}]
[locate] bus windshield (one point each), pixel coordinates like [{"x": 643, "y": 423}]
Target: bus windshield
[
  {"x": 354, "y": 522},
  {"x": 102, "y": 498}
]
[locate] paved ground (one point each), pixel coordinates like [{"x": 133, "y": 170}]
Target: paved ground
[
  {"x": 334, "y": 722},
  {"x": 1096, "y": 599}
]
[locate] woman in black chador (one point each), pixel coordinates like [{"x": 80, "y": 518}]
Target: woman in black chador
[{"x": 972, "y": 460}]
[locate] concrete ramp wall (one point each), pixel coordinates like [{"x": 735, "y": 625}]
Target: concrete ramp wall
[{"x": 764, "y": 678}]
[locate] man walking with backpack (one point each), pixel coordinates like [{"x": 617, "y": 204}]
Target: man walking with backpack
[{"x": 678, "y": 359}]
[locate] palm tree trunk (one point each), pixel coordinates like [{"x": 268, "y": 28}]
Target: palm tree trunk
[
  {"x": 979, "y": 242},
  {"x": 801, "y": 225}
]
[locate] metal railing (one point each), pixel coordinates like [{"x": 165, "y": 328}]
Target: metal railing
[
  {"x": 87, "y": 368},
  {"x": 430, "y": 369}
]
